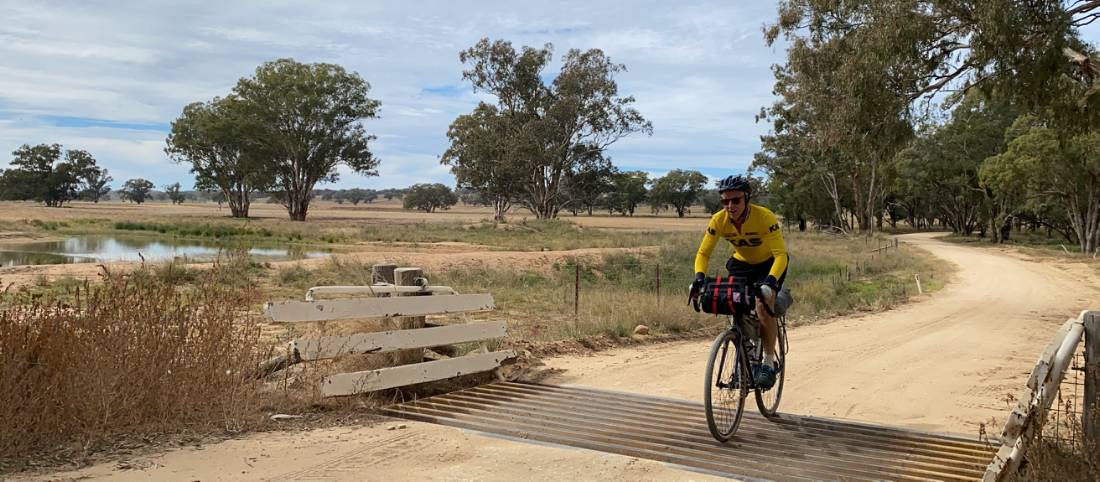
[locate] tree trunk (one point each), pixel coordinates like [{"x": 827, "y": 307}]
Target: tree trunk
[
  {"x": 1006, "y": 229},
  {"x": 500, "y": 206},
  {"x": 238, "y": 202},
  {"x": 297, "y": 206},
  {"x": 829, "y": 181}
]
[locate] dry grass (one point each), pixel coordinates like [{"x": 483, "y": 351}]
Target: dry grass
[
  {"x": 132, "y": 354},
  {"x": 829, "y": 276},
  {"x": 1059, "y": 453}
]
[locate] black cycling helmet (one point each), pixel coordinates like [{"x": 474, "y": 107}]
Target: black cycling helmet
[{"x": 735, "y": 183}]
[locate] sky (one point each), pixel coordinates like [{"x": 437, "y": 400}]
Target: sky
[{"x": 110, "y": 77}]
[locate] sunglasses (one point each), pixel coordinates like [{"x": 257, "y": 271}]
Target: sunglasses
[{"x": 733, "y": 200}]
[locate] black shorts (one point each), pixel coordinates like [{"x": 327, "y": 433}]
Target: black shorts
[{"x": 754, "y": 272}]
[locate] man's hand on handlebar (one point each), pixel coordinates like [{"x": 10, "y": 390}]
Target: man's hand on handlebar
[
  {"x": 771, "y": 282},
  {"x": 697, "y": 285},
  {"x": 768, "y": 294},
  {"x": 696, "y": 288}
]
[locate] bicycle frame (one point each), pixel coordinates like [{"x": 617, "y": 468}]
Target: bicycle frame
[{"x": 747, "y": 329}]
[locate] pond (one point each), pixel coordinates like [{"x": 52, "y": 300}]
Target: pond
[{"x": 98, "y": 249}]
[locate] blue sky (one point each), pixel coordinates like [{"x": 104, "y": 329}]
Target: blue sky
[{"x": 110, "y": 77}]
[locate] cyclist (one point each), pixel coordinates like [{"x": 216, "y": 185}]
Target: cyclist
[{"x": 759, "y": 255}]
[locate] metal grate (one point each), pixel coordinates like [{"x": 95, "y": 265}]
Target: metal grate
[{"x": 674, "y": 431}]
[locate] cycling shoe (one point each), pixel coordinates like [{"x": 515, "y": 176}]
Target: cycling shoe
[{"x": 764, "y": 375}]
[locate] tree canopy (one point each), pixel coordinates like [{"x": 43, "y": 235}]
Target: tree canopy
[
  {"x": 136, "y": 190},
  {"x": 902, "y": 108},
  {"x": 214, "y": 138},
  {"x": 39, "y": 173},
  {"x": 429, "y": 197},
  {"x": 305, "y": 120},
  {"x": 679, "y": 189},
  {"x": 537, "y": 133},
  {"x": 285, "y": 129}
]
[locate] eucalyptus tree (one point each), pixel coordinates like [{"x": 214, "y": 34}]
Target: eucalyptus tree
[
  {"x": 303, "y": 121},
  {"x": 49, "y": 175},
  {"x": 628, "y": 191},
  {"x": 679, "y": 189},
  {"x": 858, "y": 71},
  {"x": 429, "y": 197},
  {"x": 97, "y": 185},
  {"x": 136, "y": 190},
  {"x": 175, "y": 195},
  {"x": 538, "y": 133},
  {"x": 587, "y": 188},
  {"x": 215, "y": 139},
  {"x": 1041, "y": 162},
  {"x": 483, "y": 159},
  {"x": 942, "y": 165}
]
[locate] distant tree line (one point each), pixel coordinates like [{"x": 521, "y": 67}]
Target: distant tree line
[{"x": 358, "y": 195}]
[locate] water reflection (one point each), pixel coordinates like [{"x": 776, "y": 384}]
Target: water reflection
[{"x": 93, "y": 249}]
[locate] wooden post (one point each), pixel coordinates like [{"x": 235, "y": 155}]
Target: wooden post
[
  {"x": 407, "y": 277},
  {"x": 383, "y": 273},
  {"x": 576, "y": 289},
  {"x": 1090, "y": 417},
  {"x": 658, "y": 284}
]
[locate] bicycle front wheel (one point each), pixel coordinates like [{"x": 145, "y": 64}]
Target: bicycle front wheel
[
  {"x": 726, "y": 386},
  {"x": 768, "y": 400}
]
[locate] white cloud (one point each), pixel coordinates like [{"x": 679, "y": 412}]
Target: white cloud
[{"x": 699, "y": 71}]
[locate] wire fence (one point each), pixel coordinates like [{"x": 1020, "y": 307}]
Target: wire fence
[{"x": 1064, "y": 423}]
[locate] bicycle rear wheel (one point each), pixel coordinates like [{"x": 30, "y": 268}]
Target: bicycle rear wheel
[
  {"x": 724, "y": 394},
  {"x": 768, "y": 400}
]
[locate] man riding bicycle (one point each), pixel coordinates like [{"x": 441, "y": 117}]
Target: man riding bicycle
[{"x": 759, "y": 256}]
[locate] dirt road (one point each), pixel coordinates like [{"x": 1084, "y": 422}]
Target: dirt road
[{"x": 944, "y": 363}]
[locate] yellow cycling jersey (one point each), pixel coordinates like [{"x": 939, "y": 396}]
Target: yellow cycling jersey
[{"x": 754, "y": 241}]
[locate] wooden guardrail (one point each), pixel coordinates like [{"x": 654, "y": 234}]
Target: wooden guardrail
[
  {"x": 1042, "y": 386},
  {"x": 387, "y": 300}
]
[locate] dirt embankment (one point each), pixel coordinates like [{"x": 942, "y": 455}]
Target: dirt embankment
[{"x": 944, "y": 363}]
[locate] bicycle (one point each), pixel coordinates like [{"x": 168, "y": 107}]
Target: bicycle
[{"x": 728, "y": 378}]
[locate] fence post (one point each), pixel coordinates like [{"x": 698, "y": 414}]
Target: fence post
[
  {"x": 658, "y": 284},
  {"x": 1090, "y": 419},
  {"x": 407, "y": 277},
  {"x": 576, "y": 288},
  {"x": 383, "y": 273}
]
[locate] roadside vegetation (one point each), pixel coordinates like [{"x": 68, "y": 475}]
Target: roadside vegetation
[
  {"x": 830, "y": 275},
  {"x": 135, "y": 354}
]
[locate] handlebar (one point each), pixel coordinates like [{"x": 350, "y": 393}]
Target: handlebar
[{"x": 764, "y": 292}]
